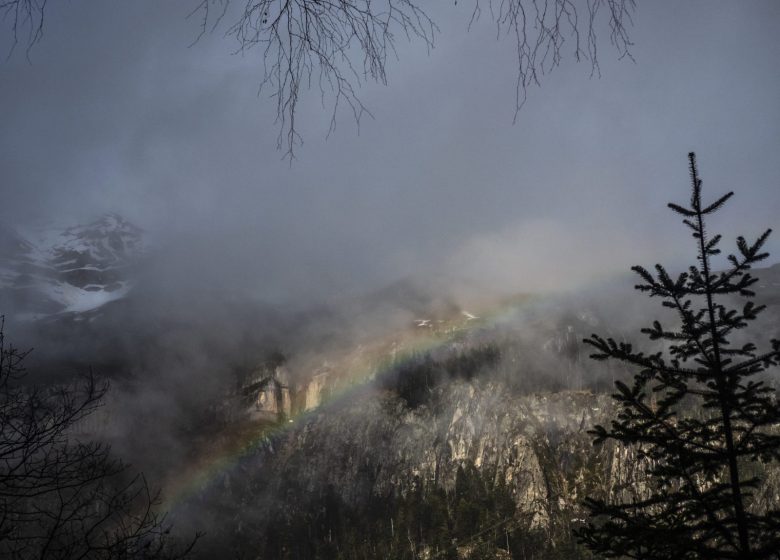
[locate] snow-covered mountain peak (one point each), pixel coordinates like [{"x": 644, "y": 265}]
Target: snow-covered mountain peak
[
  {"x": 108, "y": 241},
  {"x": 73, "y": 269}
]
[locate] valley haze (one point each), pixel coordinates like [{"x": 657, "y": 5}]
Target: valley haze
[{"x": 325, "y": 345}]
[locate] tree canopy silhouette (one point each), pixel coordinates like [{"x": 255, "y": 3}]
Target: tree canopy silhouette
[{"x": 699, "y": 415}]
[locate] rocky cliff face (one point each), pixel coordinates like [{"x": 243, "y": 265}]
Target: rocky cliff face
[
  {"x": 416, "y": 458},
  {"x": 536, "y": 443},
  {"x": 369, "y": 454}
]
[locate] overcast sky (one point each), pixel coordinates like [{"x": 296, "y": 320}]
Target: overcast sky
[{"x": 115, "y": 112}]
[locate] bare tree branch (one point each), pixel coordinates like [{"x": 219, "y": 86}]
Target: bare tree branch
[
  {"x": 25, "y": 18},
  {"x": 543, "y": 29},
  {"x": 336, "y": 46},
  {"x": 332, "y": 46}
]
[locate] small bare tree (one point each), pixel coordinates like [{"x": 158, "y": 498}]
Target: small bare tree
[{"x": 60, "y": 497}]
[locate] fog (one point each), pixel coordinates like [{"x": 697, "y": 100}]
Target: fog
[
  {"x": 436, "y": 205},
  {"x": 115, "y": 111}
]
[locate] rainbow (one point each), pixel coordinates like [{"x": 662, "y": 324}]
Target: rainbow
[{"x": 199, "y": 476}]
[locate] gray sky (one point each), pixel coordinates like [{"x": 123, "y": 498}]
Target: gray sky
[{"x": 116, "y": 113}]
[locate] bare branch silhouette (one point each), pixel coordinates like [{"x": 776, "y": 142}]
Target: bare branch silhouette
[
  {"x": 25, "y": 18},
  {"x": 334, "y": 47},
  {"x": 63, "y": 496}
]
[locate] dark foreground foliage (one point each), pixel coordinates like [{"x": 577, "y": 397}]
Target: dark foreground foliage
[
  {"x": 699, "y": 502},
  {"x": 415, "y": 378},
  {"x": 63, "y": 496},
  {"x": 476, "y": 520}
]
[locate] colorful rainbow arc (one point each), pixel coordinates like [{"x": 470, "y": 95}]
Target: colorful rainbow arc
[{"x": 200, "y": 476}]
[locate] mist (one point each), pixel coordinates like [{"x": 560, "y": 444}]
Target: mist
[
  {"x": 439, "y": 210},
  {"x": 116, "y": 112}
]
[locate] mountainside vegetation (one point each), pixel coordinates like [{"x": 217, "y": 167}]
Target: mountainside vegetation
[{"x": 475, "y": 469}]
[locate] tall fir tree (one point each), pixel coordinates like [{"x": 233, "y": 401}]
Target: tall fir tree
[{"x": 699, "y": 415}]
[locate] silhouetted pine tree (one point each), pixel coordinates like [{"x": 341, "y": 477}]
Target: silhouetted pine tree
[{"x": 713, "y": 421}]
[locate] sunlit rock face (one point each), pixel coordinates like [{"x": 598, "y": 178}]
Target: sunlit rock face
[
  {"x": 376, "y": 445},
  {"x": 536, "y": 443},
  {"x": 72, "y": 270},
  {"x": 314, "y": 391}
]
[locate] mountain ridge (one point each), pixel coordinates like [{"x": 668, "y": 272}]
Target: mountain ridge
[{"x": 74, "y": 269}]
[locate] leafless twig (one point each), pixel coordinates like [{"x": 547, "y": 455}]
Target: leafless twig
[
  {"x": 337, "y": 45},
  {"x": 25, "y": 18},
  {"x": 542, "y": 30},
  {"x": 333, "y": 46}
]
